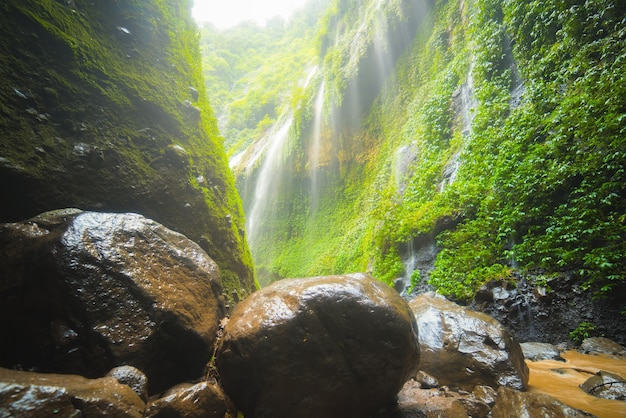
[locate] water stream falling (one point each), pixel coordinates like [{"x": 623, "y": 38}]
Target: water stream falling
[
  {"x": 268, "y": 180},
  {"x": 384, "y": 59},
  {"x": 464, "y": 101},
  {"x": 316, "y": 145},
  {"x": 464, "y": 104},
  {"x": 468, "y": 103}
]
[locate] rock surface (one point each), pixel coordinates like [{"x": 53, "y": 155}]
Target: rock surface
[
  {"x": 92, "y": 100},
  {"x": 512, "y": 403},
  {"x": 338, "y": 346},
  {"x": 542, "y": 310},
  {"x": 606, "y": 385},
  {"x": 540, "y": 351},
  {"x": 202, "y": 400},
  {"x": 462, "y": 348},
  {"x": 601, "y": 345},
  {"x": 34, "y": 395},
  {"x": 89, "y": 291},
  {"x": 133, "y": 378},
  {"x": 417, "y": 401}
]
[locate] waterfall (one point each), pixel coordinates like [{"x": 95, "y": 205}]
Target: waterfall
[
  {"x": 418, "y": 258},
  {"x": 517, "y": 88},
  {"x": 464, "y": 102},
  {"x": 405, "y": 156},
  {"x": 271, "y": 148},
  {"x": 268, "y": 180},
  {"x": 468, "y": 103},
  {"x": 409, "y": 262},
  {"x": 384, "y": 59},
  {"x": 315, "y": 147}
]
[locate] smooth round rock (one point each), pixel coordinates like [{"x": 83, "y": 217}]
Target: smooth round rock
[{"x": 337, "y": 346}]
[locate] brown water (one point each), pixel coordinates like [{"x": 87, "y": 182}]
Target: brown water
[{"x": 561, "y": 379}]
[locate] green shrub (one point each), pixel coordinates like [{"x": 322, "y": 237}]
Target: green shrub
[{"x": 584, "y": 330}]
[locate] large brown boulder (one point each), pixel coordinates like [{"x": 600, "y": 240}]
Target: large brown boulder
[
  {"x": 601, "y": 345},
  {"x": 34, "y": 395},
  {"x": 88, "y": 291},
  {"x": 463, "y": 348},
  {"x": 338, "y": 346},
  {"x": 512, "y": 403},
  {"x": 606, "y": 385},
  {"x": 202, "y": 400}
]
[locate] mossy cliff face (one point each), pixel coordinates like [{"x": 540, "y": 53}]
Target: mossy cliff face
[
  {"x": 488, "y": 134},
  {"x": 102, "y": 107}
]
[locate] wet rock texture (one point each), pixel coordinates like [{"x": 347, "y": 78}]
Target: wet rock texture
[
  {"x": 549, "y": 311},
  {"x": 202, "y": 400},
  {"x": 416, "y": 400},
  {"x": 462, "y": 348},
  {"x": 133, "y": 378},
  {"x": 512, "y": 403},
  {"x": 606, "y": 385},
  {"x": 338, "y": 346},
  {"x": 540, "y": 351},
  {"x": 601, "y": 345},
  {"x": 88, "y": 291},
  {"x": 28, "y": 395}
]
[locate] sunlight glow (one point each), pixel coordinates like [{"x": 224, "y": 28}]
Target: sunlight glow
[{"x": 227, "y": 13}]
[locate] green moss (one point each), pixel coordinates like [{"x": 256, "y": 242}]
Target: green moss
[
  {"x": 114, "y": 80},
  {"x": 540, "y": 179}
]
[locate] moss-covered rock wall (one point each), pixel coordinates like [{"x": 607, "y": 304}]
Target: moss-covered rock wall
[
  {"x": 495, "y": 138},
  {"x": 103, "y": 107}
]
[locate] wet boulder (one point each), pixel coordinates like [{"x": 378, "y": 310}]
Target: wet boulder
[
  {"x": 133, "y": 378},
  {"x": 28, "y": 395},
  {"x": 338, "y": 346},
  {"x": 512, "y": 403},
  {"x": 89, "y": 291},
  {"x": 606, "y": 385},
  {"x": 202, "y": 400},
  {"x": 416, "y": 402},
  {"x": 540, "y": 351},
  {"x": 462, "y": 348},
  {"x": 602, "y": 345}
]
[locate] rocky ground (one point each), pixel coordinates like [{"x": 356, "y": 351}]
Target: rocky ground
[{"x": 115, "y": 315}]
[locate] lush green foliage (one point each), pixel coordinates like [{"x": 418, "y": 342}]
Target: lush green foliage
[
  {"x": 584, "y": 330},
  {"x": 501, "y": 130},
  {"x": 252, "y": 73}
]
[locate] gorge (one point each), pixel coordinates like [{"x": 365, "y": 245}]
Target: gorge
[
  {"x": 184, "y": 208},
  {"x": 451, "y": 145}
]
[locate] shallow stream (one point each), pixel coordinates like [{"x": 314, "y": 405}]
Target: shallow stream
[{"x": 561, "y": 379}]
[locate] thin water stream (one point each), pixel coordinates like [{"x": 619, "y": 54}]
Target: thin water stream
[{"x": 561, "y": 379}]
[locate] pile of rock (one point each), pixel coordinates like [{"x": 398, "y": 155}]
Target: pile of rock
[{"x": 115, "y": 315}]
